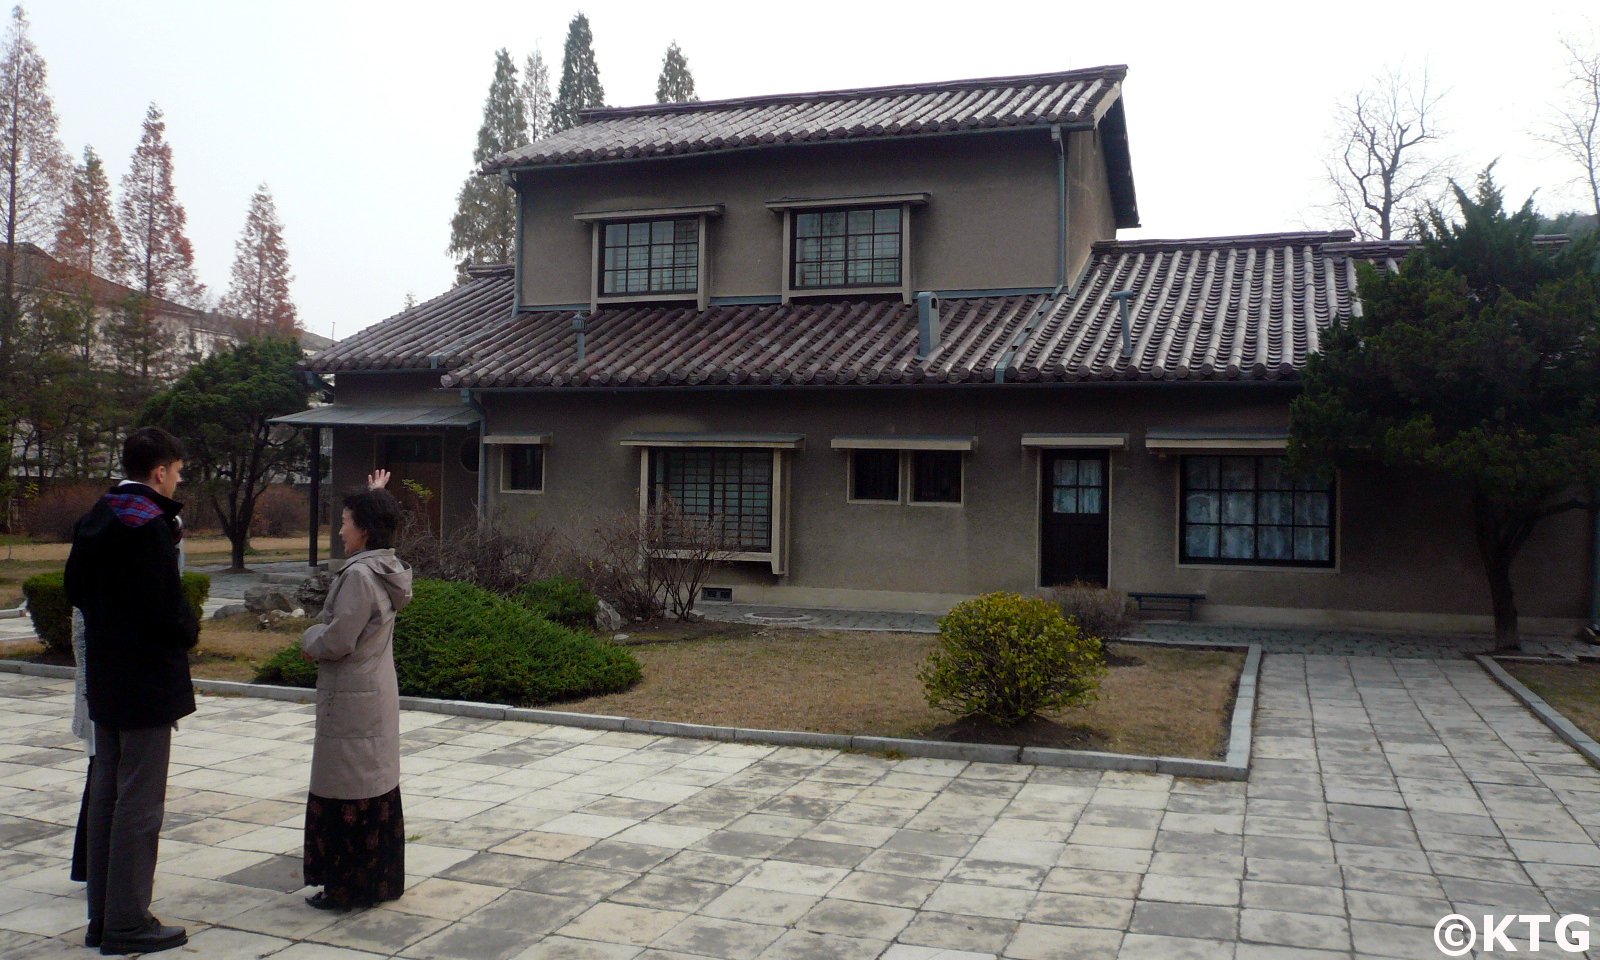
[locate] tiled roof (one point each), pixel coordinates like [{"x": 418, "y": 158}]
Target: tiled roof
[
  {"x": 1229, "y": 308},
  {"x": 1071, "y": 98},
  {"x": 430, "y": 334}
]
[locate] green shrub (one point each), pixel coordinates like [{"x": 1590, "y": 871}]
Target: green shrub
[
  {"x": 49, "y": 610},
  {"x": 1098, "y": 612},
  {"x": 564, "y": 600},
  {"x": 52, "y": 615},
  {"x": 456, "y": 641},
  {"x": 1006, "y": 658}
]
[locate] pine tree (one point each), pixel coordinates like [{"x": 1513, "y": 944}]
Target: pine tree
[
  {"x": 580, "y": 78},
  {"x": 153, "y": 220},
  {"x": 259, "y": 291},
  {"x": 485, "y": 225},
  {"x": 88, "y": 238},
  {"x": 536, "y": 95},
  {"x": 676, "y": 84}
]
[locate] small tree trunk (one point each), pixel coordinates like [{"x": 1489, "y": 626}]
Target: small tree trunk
[{"x": 1497, "y": 557}]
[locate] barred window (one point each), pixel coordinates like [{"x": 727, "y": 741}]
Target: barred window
[
  {"x": 875, "y": 475},
  {"x": 935, "y": 476},
  {"x": 857, "y": 247},
  {"x": 732, "y": 488},
  {"x": 523, "y": 467},
  {"x": 650, "y": 256},
  {"x": 1249, "y": 510}
]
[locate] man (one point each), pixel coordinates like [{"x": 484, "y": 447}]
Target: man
[{"x": 123, "y": 574}]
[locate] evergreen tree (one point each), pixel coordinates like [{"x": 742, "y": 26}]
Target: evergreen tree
[
  {"x": 88, "y": 238},
  {"x": 536, "y": 101},
  {"x": 153, "y": 220},
  {"x": 676, "y": 84},
  {"x": 485, "y": 225},
  {"x": 1476, "y": 364},
  {"x": 580, "y": 78},
  {"x": 258, "y": 294},
  {"x": 222, "y": 408}
]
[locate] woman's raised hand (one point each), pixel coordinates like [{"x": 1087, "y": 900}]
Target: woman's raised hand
[{"x": 377, "y": 479}]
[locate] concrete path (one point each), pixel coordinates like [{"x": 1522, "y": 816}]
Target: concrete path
[{"x": 1386, "y": 794}]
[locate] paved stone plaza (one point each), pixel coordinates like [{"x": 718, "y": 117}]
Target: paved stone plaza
[{"x": 1385, "y": 794}]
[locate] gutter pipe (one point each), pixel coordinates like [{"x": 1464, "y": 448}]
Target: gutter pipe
[
  {"x": 1122, "y": 297},
  {"x": 483, "y": 451},
  {"x": 1061, "y": 255}
]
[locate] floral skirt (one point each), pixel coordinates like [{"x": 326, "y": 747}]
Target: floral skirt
[{"x": 356, "y": 849}]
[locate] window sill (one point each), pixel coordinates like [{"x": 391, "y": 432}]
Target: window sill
[
  {"x": 936, "y": 503},
  {"x": 1255, "y": 567},
  {"x": 649, "y": 298}
]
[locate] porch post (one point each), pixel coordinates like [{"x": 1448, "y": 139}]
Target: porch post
[{"x": 316, "y": 492}]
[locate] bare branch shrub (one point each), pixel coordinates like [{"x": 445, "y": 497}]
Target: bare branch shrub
[
  {"x": 499, "y": 556},
  {"x": 1098, "y": 612},
  {"x": 684, "y": 549}
]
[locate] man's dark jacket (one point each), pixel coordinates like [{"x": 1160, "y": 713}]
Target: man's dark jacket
[{"x": 123, "y": 574}]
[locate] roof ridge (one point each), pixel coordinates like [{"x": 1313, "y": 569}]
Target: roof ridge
[
  {"x": 1238, "y": 240},
  {"x": 1108, "y": 71}
]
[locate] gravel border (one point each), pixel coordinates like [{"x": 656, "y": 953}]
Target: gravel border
[
  {"x": 1550, "y": 716},
  {"x": 1235, "y": 766}
]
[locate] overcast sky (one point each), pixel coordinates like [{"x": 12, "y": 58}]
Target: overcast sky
[{"x": 361, "y": 117}]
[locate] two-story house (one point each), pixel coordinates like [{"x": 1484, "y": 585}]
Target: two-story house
[{"x": 890, "y": 338}]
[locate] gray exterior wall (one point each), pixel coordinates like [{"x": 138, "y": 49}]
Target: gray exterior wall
[
  {"x": 1405, "y": 555},
  {"x": 990, "y": 222}
]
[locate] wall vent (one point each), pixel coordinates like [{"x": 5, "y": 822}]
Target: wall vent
[{"x": 724, "y": 594}]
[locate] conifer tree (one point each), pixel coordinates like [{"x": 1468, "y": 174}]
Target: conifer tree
[
  {"x": 676, "y": 84},
  {"x": 258, "y": 293},
  {"x": 152, "y": 220},
  {"x": 536, "y": 100},
  {"x": 88, "y": 238},
  {"x": 580, "y": 86},
  {"x": 484, "y": 227}
]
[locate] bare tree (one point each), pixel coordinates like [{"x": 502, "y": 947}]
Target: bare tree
[
  {"x": 1384, "y": 170},
  {"x": 684, "y": 548},
  {"x": 1575, "y": 131}
]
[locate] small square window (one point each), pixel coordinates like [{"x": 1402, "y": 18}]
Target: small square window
[
  {"x": 875, "y": 475},
  {"x": 523, "y": 467},
  {"x": 935, "y": 476}
]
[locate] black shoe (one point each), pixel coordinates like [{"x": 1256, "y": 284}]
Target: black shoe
[
  {"x": 153, "y": 937},
  {"x": 91, "y": 936},
  {"x": 322, "y": 901}
]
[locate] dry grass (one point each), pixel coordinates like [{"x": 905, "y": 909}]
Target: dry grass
[
  {"x": 19, "y": 562},
  {"x": 1572, "y": 688},
  {"x": 230, "y": 649},
  {"x": 1159, "y": 701}
]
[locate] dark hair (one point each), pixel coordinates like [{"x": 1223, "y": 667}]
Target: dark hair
[
  {"x": 147, "y": 448},
  {"x": 376, "y": 513}
]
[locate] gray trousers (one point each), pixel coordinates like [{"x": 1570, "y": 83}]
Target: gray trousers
[{"x": 127, "y": 797}]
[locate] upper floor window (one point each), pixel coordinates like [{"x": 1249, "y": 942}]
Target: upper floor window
[
  {"x": 855, "y": 247},
  {"x": 650, "y": 256}
]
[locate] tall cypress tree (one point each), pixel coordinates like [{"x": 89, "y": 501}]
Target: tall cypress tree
[
  {"x": 580, "y": 78},
  {"x": 536, "y": 99},
  {"x": 485, "y": 225},
  {"x": 259, "y": 291},
  {"x": 676, "y": 84},
  {"x": 88, "y": 237},
  {"x": 153, "y": 220}
]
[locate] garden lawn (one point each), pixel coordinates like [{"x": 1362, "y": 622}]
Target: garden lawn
[
  {"x": 230, "y": 649},
  {"x": 18, "y": 562},
  {"x": 1572, "y": 688},
  {"x": 1158, "y": 701}
]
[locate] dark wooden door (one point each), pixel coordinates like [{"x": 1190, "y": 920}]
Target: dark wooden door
[
  {"x": 1074, "y": 532},
  {"x": 420, "y": 460}
]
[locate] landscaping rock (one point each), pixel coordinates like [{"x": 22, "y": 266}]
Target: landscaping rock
[
  {"x": 607, "y": 619},
  {"x": 312, "y": 593},
  {"x": 262, "y": 599},
  {"x": 230, "y": 610}
]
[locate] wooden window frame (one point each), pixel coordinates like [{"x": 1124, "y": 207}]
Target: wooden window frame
[
  {"x": 911, "y": 479},
  {"x": 899, "y": 482},
  {"x": 1258, "y": 562},
  {"x": 503, "y": 450}
]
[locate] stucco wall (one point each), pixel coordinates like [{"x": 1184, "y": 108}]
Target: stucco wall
[
  {"x": 990, "y": 222},
  {"x": 1405, "y": 551}
]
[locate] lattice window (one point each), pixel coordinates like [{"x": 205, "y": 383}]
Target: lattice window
[
  {"x": 1249, "y": 510},
  {"x": 650, "y": 256},
  {"x": 856, "y": 247}
]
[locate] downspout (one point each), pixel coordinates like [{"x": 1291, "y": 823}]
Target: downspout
[
  {"x": 1122, "y": 297},
  {"x": 516, "y": 264},
  {"x": 580, "y": 326},
  {"x": 483, "y": 452},
  {"x": 1032, "y": 324}
]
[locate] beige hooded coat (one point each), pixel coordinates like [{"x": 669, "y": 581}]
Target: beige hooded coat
[{"x": 357, "y": 749}]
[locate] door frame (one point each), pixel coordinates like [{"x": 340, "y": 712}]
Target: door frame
[{"x": 1043, "y": 454}]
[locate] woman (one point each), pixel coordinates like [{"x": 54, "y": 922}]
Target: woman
[{"x": 355, "y": 833}]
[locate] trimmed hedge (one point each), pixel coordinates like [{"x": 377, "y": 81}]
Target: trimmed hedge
[
  {"x": 52, "y": 615},
  {"x": 563, "y": 600},
  {"x": 455, "y": 641}
]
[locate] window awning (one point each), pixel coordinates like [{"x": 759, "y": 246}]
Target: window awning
[
  {"x": 650, "y": 213},
  {"x": 873, "y": 200},
  {"x": 1075, "y": 441},
  {"x": 348, "y": 415},
  {"x": 521, "y": 439},
  {"x": 903, "y": 442},
  {"x": 1215, "y": 438},
  {"x": 767, "y": 441}
]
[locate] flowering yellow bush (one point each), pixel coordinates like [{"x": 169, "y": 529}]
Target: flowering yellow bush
[{"x": 1005, "y": 657}]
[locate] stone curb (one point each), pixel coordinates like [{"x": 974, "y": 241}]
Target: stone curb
[
  {"x": 1550, "y": 716},
  {"x": 1235, "y": 767},
  {"x": 13, "y": 613}
]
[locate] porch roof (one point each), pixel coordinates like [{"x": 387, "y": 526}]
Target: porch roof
[{"x": 347, "y": 415}]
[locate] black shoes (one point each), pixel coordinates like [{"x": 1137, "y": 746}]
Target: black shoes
[
  {"x": 91, "y": 936},
  {"x": 322, "y": 901},
  {"x": 153, "y": 937}
]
